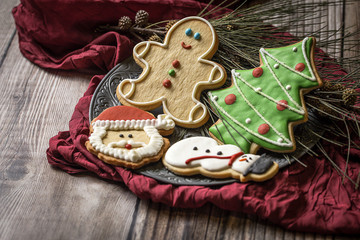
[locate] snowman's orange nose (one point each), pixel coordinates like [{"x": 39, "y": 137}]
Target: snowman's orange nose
[
  {"x": 242, "y": 159},
  {"x": 128, "y": 146}
]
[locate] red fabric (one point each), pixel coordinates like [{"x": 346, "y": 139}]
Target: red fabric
[{"x": 59, "y": 34}]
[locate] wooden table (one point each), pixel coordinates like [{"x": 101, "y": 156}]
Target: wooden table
[{"x": 40, "y": 202}]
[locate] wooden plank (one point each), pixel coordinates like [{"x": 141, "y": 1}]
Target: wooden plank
[
  {"x": 7, "y": 27},
  {"x": 39, "y": 202},
  {"x": 352, "y": 25}
]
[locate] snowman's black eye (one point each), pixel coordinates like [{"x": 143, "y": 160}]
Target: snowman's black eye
[
  {"x": 195, "y": 148},
  {"x": 121, "y": 135},
  {"x": 246, "y": 160},
  {"x": 130, "y": 135},
  {"x": 207, "y": 150},
  {"x": 250, "y": 158},
  {"x": 219, "y": 153}
]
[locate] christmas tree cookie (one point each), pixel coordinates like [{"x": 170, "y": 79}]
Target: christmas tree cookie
[
  {"x": 263, "y": 104},
  {"x": 176, "y": 72}
]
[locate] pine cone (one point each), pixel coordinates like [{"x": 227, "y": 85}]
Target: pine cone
[
  {"x": 230, "y": 27},
  {"x": 338, "y": 87},
  {"x": 169, "y": 24},
  {"x": 124, "y": 23},
  {"x": 329, "y": 86},
  {"x": 321, "y": 108},
  {"x": 141, "y": 18},
  {"x": 326, "y": 86},
  {"x": 349, "y": 97},
  {"x": 155, "y": 38}
]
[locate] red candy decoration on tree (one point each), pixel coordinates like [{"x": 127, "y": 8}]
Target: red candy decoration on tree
[
  {"x": 230, "y": 99},
  {"x": 280, "y": 106},
  {"x": 300, "y": 67},
  {"x": 263, "y": 129},
  {"x": 257, "y": 72}
]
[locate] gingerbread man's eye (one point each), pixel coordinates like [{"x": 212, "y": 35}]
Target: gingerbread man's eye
[
  {"x": 195, "y": 148},
  {"x": 121, "y": 135},
  {"x": 188, "y": 32},
  {"x": 130, "y": 136},
  {"x": 197, "y": 36},
  {"x": 207, "y": 151}
]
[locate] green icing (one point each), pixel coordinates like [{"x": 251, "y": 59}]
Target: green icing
[{"x": 236, "y": 114}]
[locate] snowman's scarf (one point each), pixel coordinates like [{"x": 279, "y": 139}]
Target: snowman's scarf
[{"x": 231, "y": 158}]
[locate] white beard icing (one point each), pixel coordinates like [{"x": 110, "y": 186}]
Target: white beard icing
[{"x": 134, "y": 155}]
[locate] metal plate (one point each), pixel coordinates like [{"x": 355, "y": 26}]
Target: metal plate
[{"x": 105, "y": 97}]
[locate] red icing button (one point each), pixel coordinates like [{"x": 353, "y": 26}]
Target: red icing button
[
  {"x": 263, "y": 129},
  {"x": 128, "y": 146},
  {"x": 257, "y": 72},
  {"x": 176, "y": 64},
  {"x": 281, "y": 107},
  {"x": 300, "y": 67},
  {"x": 230, "y": 99},
  {"x": 167, "y": 83}
]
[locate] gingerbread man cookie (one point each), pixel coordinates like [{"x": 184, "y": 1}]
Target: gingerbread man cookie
[
  {"x": 129, "y": 137},
  {"x": 176, "y": 72},
  {"x": 203, "y": 155}
]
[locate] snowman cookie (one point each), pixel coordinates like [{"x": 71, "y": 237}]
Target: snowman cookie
[
  {"x": 129, "y": 137},
  {"x": 176, "y": 72},
  {"x": 203, "y": 155}
]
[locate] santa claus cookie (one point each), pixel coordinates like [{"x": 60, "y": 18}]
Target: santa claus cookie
[
  {"x": 129, "y": 137},
  {"x": 202, "y": 155},
  {"x": 176, "y": 72}
]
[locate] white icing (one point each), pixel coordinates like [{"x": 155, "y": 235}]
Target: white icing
[
  {"x": 248, "y": 120},
  {"x": 276, "y": 66},
  {"x": 258, "y": 89},
  {"x": 162, "y": 122},
  {"x": 146, "y": 70},
  {"x": 140, "y": 150},
  {"x": 294, "y": 49},
  {"x": 288, "y": 87},
  {"x": 280, "y": 140},
  {"x": 181, "y": 151}
]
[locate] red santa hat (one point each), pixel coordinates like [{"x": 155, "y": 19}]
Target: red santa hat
[{"x": 124, "y": 113}]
